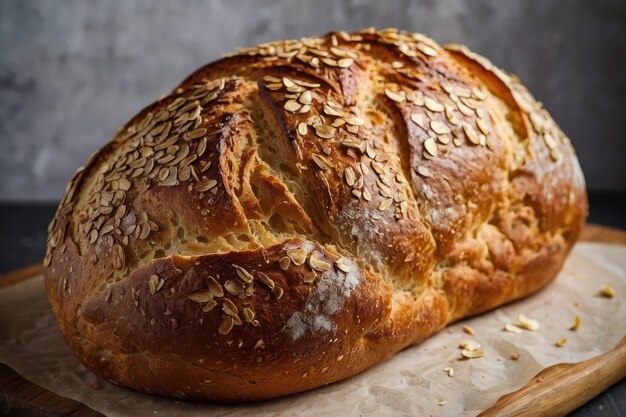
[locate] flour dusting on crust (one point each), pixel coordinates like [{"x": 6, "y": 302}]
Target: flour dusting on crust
[{"x": 329, "y": 296}]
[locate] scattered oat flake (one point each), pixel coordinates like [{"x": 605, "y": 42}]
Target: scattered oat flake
[
  {"x": 284, "y": 263},
  {"x": 226, "y": 325},
  {"x": 317, "y": 264},
  {"x": 292, "y": 106},
  {"x": 471, "y": 354},
  {"x": 424, "y": 171},
  {"x": 469, "y": 330},
  {"x": 449, "y": 371},
  {"x": 576, "y": 324},
  {"x": 201, "y": 296},
  {"x": 342, "y": 264},
  {"x": 278, "y": 292},
  {"x": 152, "y": 284},
  {"x": 441, "y": 403},
  {"x": 325, "y": 131},
  {"x": 561, "y": 342},
  {"x": 297, "y": 256},
  {"x": 607, "y": 291},
  {"x": 527, "y": 323},
  {"x": 512, "y": 328},
  {"x": 469, "y": 345},
  {"x": 395, "y": 96}
]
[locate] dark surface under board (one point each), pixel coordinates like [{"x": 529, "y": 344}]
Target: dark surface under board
[{"x": 23, "y": 239}]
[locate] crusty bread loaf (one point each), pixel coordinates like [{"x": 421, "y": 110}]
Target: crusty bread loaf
[{"x": 299, "y": 211}]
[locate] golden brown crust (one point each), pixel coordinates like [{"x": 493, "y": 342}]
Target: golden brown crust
[{"x": 297, "y": 212}]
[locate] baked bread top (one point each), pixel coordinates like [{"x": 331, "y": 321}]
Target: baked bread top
[{"x": 296, "y": 212}]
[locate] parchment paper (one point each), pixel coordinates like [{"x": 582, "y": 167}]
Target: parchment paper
[{"x": 411, "y": 383}]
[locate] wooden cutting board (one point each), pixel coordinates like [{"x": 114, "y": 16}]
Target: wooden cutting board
[{"x": 555, "y": 391}]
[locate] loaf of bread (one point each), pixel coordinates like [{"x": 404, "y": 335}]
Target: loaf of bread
[{"x": 297, "y": 212}]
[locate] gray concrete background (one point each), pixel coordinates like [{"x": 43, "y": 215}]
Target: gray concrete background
[{"x": 72, "y": 71}]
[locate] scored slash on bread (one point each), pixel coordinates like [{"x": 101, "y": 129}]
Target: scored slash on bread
[{"x": 299, "y": 211}]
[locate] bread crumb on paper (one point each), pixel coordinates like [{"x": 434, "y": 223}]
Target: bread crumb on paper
[
  {"x": 527, "y": 323},
  {"x": 471, "y": 349},
  {"x": 561, "y": 342},
  {"x": 511, "y": 328},
  {"x": 576, "y": 324},
  {"x": 469, "y": 330},
  {"x": 607, "y": 291}
]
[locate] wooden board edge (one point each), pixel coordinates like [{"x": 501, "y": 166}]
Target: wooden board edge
[
  {"x": 20, "y": 397},
  {"x": 19, "y": 275},
  {"x": 568, "y": 386},
  {"x": 602, "y": 234}
]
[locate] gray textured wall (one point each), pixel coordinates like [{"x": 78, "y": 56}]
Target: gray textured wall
[{"x": 72, "y": 71}]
